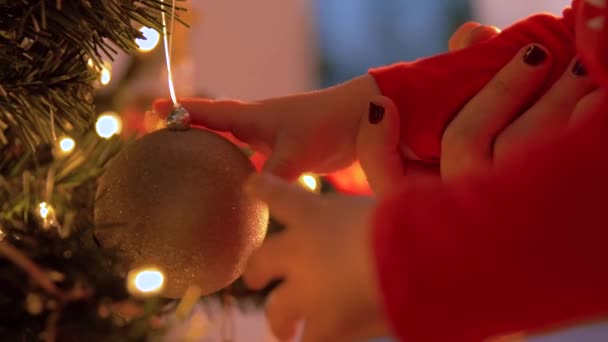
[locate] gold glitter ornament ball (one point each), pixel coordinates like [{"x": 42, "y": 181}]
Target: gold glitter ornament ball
[{"x": 174, "y": 200}]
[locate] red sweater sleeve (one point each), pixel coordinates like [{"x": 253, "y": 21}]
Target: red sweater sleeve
[
  {"x": 429, "y": 92},
  {"x": 521, "y": 248}
]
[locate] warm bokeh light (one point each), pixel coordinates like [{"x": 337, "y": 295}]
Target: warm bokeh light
[
  {"x": 149, "y": 281},
  {"x": 309, "y": 182},
  {"x": 108, "y": 124},
  {"x": 47, "y": 214},
  {"x": 152, "y": 39},
  {"x": 106, "y": 74},
  {"x": 44, "y": 210},
  {"x": 67, "y": 145},
  {"x": 145, "y": 282}
]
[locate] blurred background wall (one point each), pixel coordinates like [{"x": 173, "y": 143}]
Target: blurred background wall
[{"x": 501, "y": 13}]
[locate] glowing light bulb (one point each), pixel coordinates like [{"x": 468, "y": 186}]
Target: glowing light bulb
[
  {"x": 145, "y": 281},
  {"x": 108, "y": 124},
  {"x": 44, "y": 210},
  {"x": 67, "y": 145},
  {"x": 149, "y": 281},
  {"x": 47, "y": 215},
  {"x": 309, "y": 182},
  {"x": 106, "y": 74},
  {"x": 152, "y": 39}
]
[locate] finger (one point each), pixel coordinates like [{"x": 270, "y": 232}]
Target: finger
[
  {"x": 591, "y": 27},
  {"x": 378, "y": 145},
  {"x": 455, "y": 41},
  {"x": 282, "y": 311},
  {"x": 551, "y": 112},
  {"x": 479, "y": 35},
  {"x": 287, "y": 202},
  {"x": 466, "y": 143},
  {"x": 594, "y": 106},
  {"x": 240, "y": 118},
  {"x": 471, "y": 33},
  {"x": 162, "y": 107},
  {"x": 268, "y": 263}
]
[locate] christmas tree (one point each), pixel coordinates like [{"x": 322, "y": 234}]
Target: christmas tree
[{"x": 55, "y": 282}]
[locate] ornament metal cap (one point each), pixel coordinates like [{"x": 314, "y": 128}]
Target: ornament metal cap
[{"x": 179, "y": 119}]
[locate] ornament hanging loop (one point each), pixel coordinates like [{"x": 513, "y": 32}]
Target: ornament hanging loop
[{"x": 179, "y": 119}]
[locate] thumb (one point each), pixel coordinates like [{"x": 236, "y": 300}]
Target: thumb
[
  {"x": 288, "y": 202},
  {"x": 378, "y": 145}
]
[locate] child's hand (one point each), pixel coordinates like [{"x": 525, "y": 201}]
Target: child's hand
[
  {"x": 324, "y": 258},
  {"x": 311, "y": 132}
]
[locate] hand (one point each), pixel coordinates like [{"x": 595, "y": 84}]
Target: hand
[
  {"x": 384, "y": 159},
  {"x": 324, "y": 257},
  {"x": 508, "y": 111},
  {"x": 312, "y": 132}
]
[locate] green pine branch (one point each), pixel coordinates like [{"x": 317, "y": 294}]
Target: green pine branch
[
  {"x": 45, "y": 48},
  {"x": 46, "y": 89}
]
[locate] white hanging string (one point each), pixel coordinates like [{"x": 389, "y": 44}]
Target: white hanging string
[{"x": 168, "y": 42}]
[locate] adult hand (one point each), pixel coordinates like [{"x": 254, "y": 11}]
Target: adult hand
[
  {"x": 384, "y": 159},
  {"x": 311, "y": 132},
  {"x": 509, "y": 110}
]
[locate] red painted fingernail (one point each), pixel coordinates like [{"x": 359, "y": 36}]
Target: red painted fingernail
[
  {"x": 376, "y": 113},
  {"x": 535, "y": 56},
  {"x": 579, "y": 69}
]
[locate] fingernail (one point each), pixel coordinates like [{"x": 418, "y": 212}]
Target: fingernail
[
  {"x": 534, "y": 56},
  {"x": 579, "y": 69},
  {"x": 376, "y": 113}
]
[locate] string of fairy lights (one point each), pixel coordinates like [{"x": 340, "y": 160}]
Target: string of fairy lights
[
  {"x": 109, "y": 123},
  {"x": 146, "y": 281}
]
